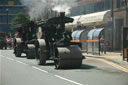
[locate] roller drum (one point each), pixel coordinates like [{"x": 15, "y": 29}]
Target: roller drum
[
  {"x": 31, "y": 51},
  {"x": 69, "y": 57}
]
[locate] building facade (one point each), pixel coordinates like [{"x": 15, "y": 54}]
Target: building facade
[
  {"x": 86, "y": 7},
  {"x": 91, "y": 6},
  {"x": 8, "y": 10},
  {"x": 120, "y": 20},
  {"x": 119, "y": 15}
]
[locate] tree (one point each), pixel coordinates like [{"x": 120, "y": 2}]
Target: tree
[{"x": 20, "y": 18}]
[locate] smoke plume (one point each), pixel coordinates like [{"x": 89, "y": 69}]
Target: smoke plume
[
  {"x": 37, "y": 8},
  {"x": 63, "y": 5}
]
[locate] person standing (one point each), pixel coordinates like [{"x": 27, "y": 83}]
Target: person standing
[{"x": 102, "y": 45}]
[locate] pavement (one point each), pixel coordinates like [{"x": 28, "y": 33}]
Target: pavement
[{"x": 114, "y": 57}]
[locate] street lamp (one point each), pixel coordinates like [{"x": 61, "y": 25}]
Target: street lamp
[{"x": 7, "y": 19}]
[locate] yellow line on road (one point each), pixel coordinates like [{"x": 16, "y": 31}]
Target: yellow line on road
[{"x": 114, "y": 65}]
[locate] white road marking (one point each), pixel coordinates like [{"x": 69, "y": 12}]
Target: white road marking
[
  {"x": 39, "y": 69},
  {"x": 68, "y": 80},
  {"x": 2, "y": 56},
  {"x": 10, "y": 59},
  {"x": 21, "y": 62}
]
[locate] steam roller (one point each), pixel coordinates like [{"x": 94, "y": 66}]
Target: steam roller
[
  {"x": 25, "y": 40},
  {"x": 55, "y": 44}
]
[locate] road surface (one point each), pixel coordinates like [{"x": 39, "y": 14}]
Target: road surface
[{"x": 22, "y": 71}]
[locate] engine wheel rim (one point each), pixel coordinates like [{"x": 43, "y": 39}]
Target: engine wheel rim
[
  {"x": 38, "y": 55},
  {"x": 57, "y": 64}
]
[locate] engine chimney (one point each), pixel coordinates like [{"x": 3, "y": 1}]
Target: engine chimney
[{"x": 62, "y": 22}]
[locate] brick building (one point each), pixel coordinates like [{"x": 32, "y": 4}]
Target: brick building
[{"x": 119, "y": 21}]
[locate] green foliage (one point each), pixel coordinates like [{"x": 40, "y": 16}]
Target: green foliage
[
  {"x": 20, "y": 18},
  {"x": 78, "y": 0}
]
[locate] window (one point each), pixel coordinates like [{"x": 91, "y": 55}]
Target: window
[
  {"x": 11, "y": 3},
  {"x": 119, "y": 3},
  {"x": 107, "y": 4},
  {"x": 3, "y": 2},
  {"x": 99, "y": 7},
  {"x": 3, "y": 19}
]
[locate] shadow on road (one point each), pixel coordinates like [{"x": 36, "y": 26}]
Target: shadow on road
[
  {"x": 86, "y": 66},
  {"x": 83, "y": 67},
  {"x": 22, "y": 57},
  {"x": 49, "y": 64}
]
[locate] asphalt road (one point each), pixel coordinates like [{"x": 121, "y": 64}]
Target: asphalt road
[{"x": 21, "y": 71}]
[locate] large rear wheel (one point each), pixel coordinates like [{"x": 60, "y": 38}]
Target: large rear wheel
[
  {"x": 41, "y": 52},
  {"x": 56, "y": 62},
  {"x": 17, "y": 47}
]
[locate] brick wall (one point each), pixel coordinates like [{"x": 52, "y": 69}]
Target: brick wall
[{"x": 86, "y": 2}]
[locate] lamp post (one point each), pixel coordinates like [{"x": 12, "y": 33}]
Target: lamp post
[
  {"x": 112, "y": 15},
  {"x": 125, "y": 5},
  {"x": 7, "y": 19}
]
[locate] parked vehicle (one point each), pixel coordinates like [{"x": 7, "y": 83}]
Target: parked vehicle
[{"x": 3, "y": 42}]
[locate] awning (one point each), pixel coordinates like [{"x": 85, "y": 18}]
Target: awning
[
  {"x": 98, "y": 17},
  {"x": 94, "y": 47},
  {"x": 76, "y": 34}
]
